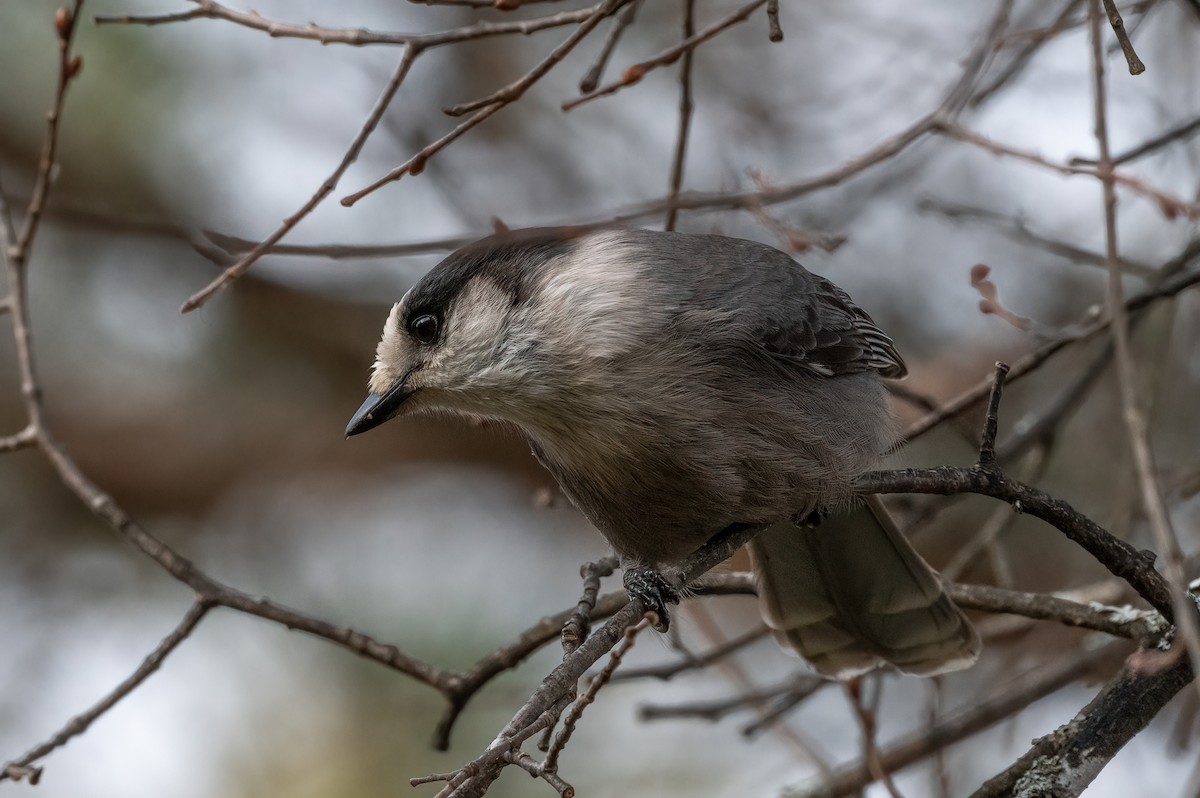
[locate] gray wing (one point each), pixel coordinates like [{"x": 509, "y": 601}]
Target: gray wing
[
  {"x": 818, "y": 327},
  {"x": 782, "y": 310}
]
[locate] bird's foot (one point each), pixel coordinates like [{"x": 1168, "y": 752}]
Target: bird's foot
[{"x": 654, "y": 591}]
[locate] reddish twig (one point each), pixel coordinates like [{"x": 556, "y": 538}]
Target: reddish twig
[
  {"x": 865, "y": 715},
  {"x": 500, "y": 99},
  {"x": 620, "y": 24},
  {"x": 633, "y": 74}
]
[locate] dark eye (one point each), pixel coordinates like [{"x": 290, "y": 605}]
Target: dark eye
[{"x": 424, "y": 328}]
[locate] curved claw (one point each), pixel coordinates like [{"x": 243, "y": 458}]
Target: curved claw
[{"x": 654, "y": 591}]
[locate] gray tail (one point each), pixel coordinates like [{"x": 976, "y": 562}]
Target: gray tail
[{"x": 852, "y": 594}]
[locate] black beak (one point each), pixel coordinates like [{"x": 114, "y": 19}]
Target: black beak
[{"x": 378, "y": 409}]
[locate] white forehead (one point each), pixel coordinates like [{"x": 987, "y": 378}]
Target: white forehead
[{"x": 588, "y": 302}]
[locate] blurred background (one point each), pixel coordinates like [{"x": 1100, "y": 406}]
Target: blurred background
[{"x": 222, "y": 430}]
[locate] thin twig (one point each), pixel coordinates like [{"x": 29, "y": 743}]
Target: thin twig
[
  {"x": 633, "y": 74},
  {"x": 1001, "y": 703},
  {"x": 576, "y": 629},
  {"x": 1171, "y": 206},
  {"x": 991, "y": 420},
  {"x": 354, "y": 36},
  {"x": 1018, "y": 230},
  {"x": 621, "y": 22},
  {"x": 1136, "y": 67},
  {"x": 81, "y": 722},
  {"x": 24, "y": 439},
  {"x": 1180, "y": 280},
  {"x": 774, "y": 32},
  {"x": 685, "y": 115},
  {"x": 501, "y": 99},
  {"x": 1139, "y": 442},
  {"x": 249, "y": 259},
  {"x": 866, "y": 722},
  {"x": 1023, "y": 58},
  {"x": 574, "y": 712},
  {"x": 948, "y": 108},
  {"x": 671, "y": 670},
  {"x": 1148, "y": 147},
  {"x": 1119, "y": 557}
]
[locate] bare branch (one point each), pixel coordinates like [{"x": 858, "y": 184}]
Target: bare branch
[
  {"x": 1002, "y": 703},
  {"x": 1179, "y": 280},
  {"x": 353, "y": 36},
  {"x": 1187, "y": 617},
  {"x": 774, "y": 32},
  {"x": 575, "y": 711},
  {"x": 249, "y": 259},
  {"x": 1136, "y": 67},
  {"x": 685, "y": 115},
  {"x": 1116, "y": 555},
  {"x": 1068, "y": 759},
  {"x": 501, "y": 99},
  {"x": 23, "y": 766},
  {"x": 1149, "y": 147},
  {"x": 620, "y": 23},
  {"x": 633, "y": 74}
]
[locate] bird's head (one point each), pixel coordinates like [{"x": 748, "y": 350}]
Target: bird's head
[{"x": 494, "y": 327}]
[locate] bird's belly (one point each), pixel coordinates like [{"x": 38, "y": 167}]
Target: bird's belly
[{"x": 658, "y": 513}]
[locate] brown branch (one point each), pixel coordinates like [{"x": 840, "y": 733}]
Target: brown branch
[
  {"x": 24, "y": 439},
  {"x": 501, "y": 99},
  {"x": 715, "y": 710},
  {"x": 23, "y": 766},
  {"x": 949, "y": 107},
  {"x": 634, "y": 73},
  {"x": 1001, "y": 704},
  {"x": 249, "y": 259},
  {"x": 559, "y": 684},
  {"x": 620, "y": 24},
  {"x": 1135, "y": 421},
  {"x": 19, "y": 244},
  {"x": 672, "y": 669},
  {"x": 579, "y": 624},
  {"x": 1171, "y": 206},
  {"x": 1023, "y": 58},
  {"x": 991, "y": 419},
  {"x": 685, "y": 115},
  {"x": 353, "y": 36},
  {"x": 1179, "y": 280},
  {"x": 575, "y": 711},
  {"x": 1068, "y": 759},
  {"x": 865, "y": 715},
  {"x": 1136, "y": 67},
  {"x": 1148, "y": 147},
  {"x": 1116, "y": 621},
  {"x": 774, "y": 32},
  {"x": 1018, "y": 230},
  {"x": 1120, "y": 558}
]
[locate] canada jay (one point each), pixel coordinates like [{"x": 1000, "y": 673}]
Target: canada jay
[{"x": 676, "y": 385}]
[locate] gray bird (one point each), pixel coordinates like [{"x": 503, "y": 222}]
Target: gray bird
[{"x": 678, "y": 385}]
